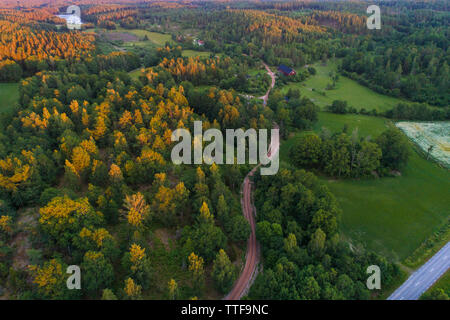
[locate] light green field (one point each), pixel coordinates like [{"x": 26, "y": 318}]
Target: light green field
[
  {"x": 392, "y": 216},
  {"x": 157, "y": 38},
  {"x": 9, "y": 96},
  {"x": 193, "y": 53},
  {"x": 346, "y": 89},
  {"x": 135, "y": 73}
]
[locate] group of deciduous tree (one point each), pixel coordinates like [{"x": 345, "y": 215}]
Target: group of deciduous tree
[{"x": 304, "y": 256}]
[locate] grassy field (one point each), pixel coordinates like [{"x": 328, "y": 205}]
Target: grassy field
[
  {"x": 346, "y": 89},
  {"x": 193, "y": 53},
  {"x": 135, "y": 73},
  {"x": 392, "y": 216},
  {"x": 9, "y": 95},
  {"x": 157, "y": 38}
]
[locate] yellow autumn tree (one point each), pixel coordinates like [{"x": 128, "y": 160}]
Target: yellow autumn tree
[
  {"x": 126, "y": 119},
  {"x": 89, "y": 146},
  {"x": 132, "y": 290},
  {"x": 136, "y": 209},
  {"x": 85, "y": 118},
  {"x": 14, "y": 172},
  {"x": 196, "y": 265},
  {"x": 173, "y": 289},
  {"x": 63, "y": 218},
  {"x": 5, "y": 224},
  {"x": 205, "y": 214},
  {"x": 137, "y": 256},
  {"x": 97, "y": 237},
  {"x": 49, "y": 279},
  {"x": 115, "y": 173},
  {"x": 74, "y": 107},
  {"x": 80, "y": 160}
]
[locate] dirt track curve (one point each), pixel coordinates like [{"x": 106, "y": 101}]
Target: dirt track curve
[{"x": 243, "y": 283}]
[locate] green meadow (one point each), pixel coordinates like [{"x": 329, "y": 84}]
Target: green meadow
[
  {"x": 346, "y": 89},
  {"x": 390, "y": 215},
  {"x": 157, "y": 38},
  {"x": 194, "y": 53},
  {"x": 135, "y": 73},
  {"x": 9, "y": 95}
]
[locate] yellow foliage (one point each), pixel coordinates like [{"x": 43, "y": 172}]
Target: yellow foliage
[
  {"x": 125, "y": 120},
  {"x": 93, "y": 255},
  {"x": 61, "y": 211},
  {"x": 119, "y": 139},
  {"x": 115, "y": 172},
  {"x": 80, "y": 159},
  {"x": 100, "y": 128},
  {"x": 98, "y": 235},
  {"x": 74, "y": 106},
  {"x": 47, "y": 277},
  {"x": 196, "y": 265},
  {"x": 71, "y": 168},
  {"x": 14, "y": 171},
  {"x": 200, "y": 175},
  {"x": 148, "y": 155},
  {"x": 138, "y": 117},
  {"x": 89, "y": 146},
  {"x": 204, "y": 212},
  {"x": 173, "y": 286},
  {"x": 137, "y": 209},
  {"x": 132, "y": 290},
  {"x": 160, "y": 178},
  {"x": 137, "y": 255},
  {"x": 5, "y": 224},
  {"x": 85, "y": 118}
]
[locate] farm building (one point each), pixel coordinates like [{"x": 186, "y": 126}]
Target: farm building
[
  {"x": 286, "y": 70},
  {"x": 198, "y": 42}
]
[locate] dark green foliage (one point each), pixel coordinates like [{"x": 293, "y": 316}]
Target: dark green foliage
[
  {"x": 313, "y": 264},
  {"x": 342, "y": 155},
  {"x": 394, "y": 147}
]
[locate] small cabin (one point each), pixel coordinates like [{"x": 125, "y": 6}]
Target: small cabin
[
  {"x": 198, "y": 42},
  {"x": 286, "y": 70}
]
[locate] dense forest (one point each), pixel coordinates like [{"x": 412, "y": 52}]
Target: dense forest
[{"x": 86, "y": 176}]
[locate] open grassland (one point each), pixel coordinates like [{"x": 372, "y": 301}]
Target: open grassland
[
  {"x": 392, "y": 216},
  {"x": 193, "y": 53},
  {"x": 135, "y": 73},
  {"x": 157, "y": 38},
  {"x": 133, "y": 38},
  {"x": 346, "y": 89},
  {"x": 9, "y": 96}
]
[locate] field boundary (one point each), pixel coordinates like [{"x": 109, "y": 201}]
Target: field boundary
[{"x": 430, "y": 246}]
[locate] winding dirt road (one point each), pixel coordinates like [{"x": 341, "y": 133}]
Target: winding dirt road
[
  {"x": 243, "y": 283},
  {"x": 272, "y": 75}
]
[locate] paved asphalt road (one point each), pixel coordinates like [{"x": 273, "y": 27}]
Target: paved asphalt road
[{"x": 424, "y": 277}]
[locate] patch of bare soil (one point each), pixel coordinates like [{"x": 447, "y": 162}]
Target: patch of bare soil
[
  {"x": 165, "y": 236},
  {"x": 26, "y": 222},
  {"x": 396, "y": 173}
]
